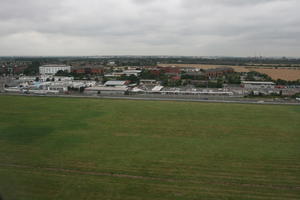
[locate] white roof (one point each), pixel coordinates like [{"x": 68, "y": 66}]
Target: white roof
[
  {"x": 136, "y": 89},
  {"x": 157, "y": 88},
  {"x": 148, "y": 80},
  {"x": 103, "y": 88},
  {"x": 54, "y": 65},
  {"x": 132, "y": 71},
  {"x": 258, "y": 82},
  {"x": 115, "y": 83}
]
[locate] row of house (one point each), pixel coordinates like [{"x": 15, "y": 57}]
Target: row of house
[
  {"x": 217, "y": 72},
  {"x": 88, "y": 70},
  {"x": 13, "y": 69},
  {"x": 175, "y": 73}
]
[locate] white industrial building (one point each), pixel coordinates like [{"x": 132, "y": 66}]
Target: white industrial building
[
  {"x": 53, "y": 69},
  {"x": 132, "y": 72},
  {"x": 258, "y": 85},
  {"x": 124, "y": 73},
  {"x": 116, "y": 83},
  {"x": 121, "y": 90}
]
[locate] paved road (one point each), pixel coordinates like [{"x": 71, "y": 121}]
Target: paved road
[{"x": 164, "y": 98}]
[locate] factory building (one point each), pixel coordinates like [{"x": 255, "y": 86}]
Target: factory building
[
  {"x": 116, "y": 83},
  {"x": 258, "y": 85},
  {"x": 107, "y": 90},
  {"x": 53, "y": 69}
]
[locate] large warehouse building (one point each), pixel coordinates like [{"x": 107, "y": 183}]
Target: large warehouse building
[
  {"x": 258, "y": 85},
  {"x": 53, "y": 69}
]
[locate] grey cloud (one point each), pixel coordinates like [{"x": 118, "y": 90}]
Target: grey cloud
[
  {"x": 187, "y": 27},
  {"x": 28, "y": 9},
  {"x": 227, "y": 2}
]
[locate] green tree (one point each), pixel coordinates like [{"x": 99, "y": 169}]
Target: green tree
[
  {"x": 62, "y": 73},
  {"x": 33, "y": 69}
]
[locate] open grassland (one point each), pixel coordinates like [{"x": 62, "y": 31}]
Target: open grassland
[
  {"x": 284, "y": 73},
  {"x": 59, "y": 148}
]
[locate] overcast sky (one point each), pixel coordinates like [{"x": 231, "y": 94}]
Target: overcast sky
[{"x": 150, "y": 27}]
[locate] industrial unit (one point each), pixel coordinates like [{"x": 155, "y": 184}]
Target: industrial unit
[{"x": 53, "y": 69}]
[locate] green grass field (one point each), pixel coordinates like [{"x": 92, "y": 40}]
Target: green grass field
[{"x": 59, "y": 148}]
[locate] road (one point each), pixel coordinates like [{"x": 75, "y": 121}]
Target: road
[{"x": 163, "y": 98}]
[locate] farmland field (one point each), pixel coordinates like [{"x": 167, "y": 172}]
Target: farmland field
[
  {"x": 280, "y": 73},
  {"x": 60, "y": 148}
]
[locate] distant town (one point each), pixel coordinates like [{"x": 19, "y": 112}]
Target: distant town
[{"x": 148, "y": 76}]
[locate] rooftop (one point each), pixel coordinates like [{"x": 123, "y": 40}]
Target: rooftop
[
  {"x": 258, "y": 82},
  {"x": 115, "y": 83},
  {"x": 54, "y": 65},
  {"x": 157, "y": 88},
  {"x": 104, "y": 88}
]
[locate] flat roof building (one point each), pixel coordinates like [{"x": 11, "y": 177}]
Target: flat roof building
[
  {"x": 258, "y": 85},
  {"x": 121, "y": 90},
  {"x": 53, "y": 69},
  {"x": 116, "y": 83}
]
